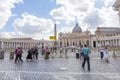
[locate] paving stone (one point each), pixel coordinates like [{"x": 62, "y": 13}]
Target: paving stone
[{"x": 60, "y": 69}]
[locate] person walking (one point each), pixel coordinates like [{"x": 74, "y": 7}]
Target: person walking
[
  {"x": 43, "y": 50},
  {"x": 36, "y": 53},
  {"x": 81, "y": 52},
  {"x": 106, "y": 54},
  {"x": 101, "y": 50},
  {"x": 21, "y": 52},
  {"x": 18, "y": 53},
  {"x": 86, "y": 53},
  {"x": 29, "y": 55},
  {"x": 47, "y": 53}
]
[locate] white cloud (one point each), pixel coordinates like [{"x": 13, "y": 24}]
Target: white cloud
[
  {"x": 76, "y": 7},
  {"x": 33, "y": 26},
  {"x": 5, "y": 10},
  {"x": 61, "y": 14},
  {"x": 72, "y": 8},
  {"x": 87, "y": 13},
  {"x": 109, "y": 17},
  {"x": 93, "y": 19},
  {"x": 65, "y": 29},
  {"x": 7, "y": 34},
  {"x": 108, "y": 2}
]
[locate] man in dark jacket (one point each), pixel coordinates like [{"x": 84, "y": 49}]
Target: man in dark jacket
[{"x": 36, "y": 53}]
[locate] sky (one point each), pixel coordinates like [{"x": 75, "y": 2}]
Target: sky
[{"x": 36, "y": 18}]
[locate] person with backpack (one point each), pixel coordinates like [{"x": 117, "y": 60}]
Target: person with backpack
[
  {"x": 47, "y": 53},
  {"x": 86, "y": 53},
  {"x": 18, "y": 53}
]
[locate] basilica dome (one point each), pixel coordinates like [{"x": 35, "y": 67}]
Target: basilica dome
[{"x": 77, "y": 29}]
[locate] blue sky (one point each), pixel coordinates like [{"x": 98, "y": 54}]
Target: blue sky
[{"x": 36, "y": 18}]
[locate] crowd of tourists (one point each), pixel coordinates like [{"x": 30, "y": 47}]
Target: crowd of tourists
[
  {"x": 32, "y": 54},
  {"x": 84, "y": 52}
]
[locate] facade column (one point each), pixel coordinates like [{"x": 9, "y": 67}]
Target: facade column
[
  {"x": 104, "y": 42},
  {"x": 0, "y": 45},
  {"x": 119, "y": 41},
  {"x": 13, "y": 44},
  {"x": 69, "y": 42},
  {"x": 101, "y": 42},
  {"x": 8, "y": 45},
  {"x": 31, "y": 44},
  {"x": 27, "y": 46},
  {"x": 4, "y": 45},
  {"x": 24, "y": 45},
  {"x": 114, "y": 42}
]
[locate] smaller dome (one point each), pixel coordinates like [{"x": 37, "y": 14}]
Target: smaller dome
[{"x": 77, "y": 29}]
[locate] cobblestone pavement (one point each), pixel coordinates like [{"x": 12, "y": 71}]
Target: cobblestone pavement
[{"x": 60, "y": 69}]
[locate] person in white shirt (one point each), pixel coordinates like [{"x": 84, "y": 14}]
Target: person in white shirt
[{"x": 106, "y": 54}]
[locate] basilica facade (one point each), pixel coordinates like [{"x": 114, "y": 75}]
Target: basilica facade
[
  {"x": 76, "y": 38},
  {"x": 104, "y": 36}
]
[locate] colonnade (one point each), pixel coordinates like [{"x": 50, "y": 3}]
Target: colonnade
[
  {"x": 25, "y": 44},
  {"x": 111, "y": 41}
]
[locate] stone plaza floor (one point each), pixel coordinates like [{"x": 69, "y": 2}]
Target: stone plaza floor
[{"x": 59, "y": 69}]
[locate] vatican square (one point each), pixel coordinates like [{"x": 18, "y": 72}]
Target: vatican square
[{"x": 60, "y": 40}]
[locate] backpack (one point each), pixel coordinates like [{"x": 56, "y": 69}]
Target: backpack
[{"x": 18, "y": 51}]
